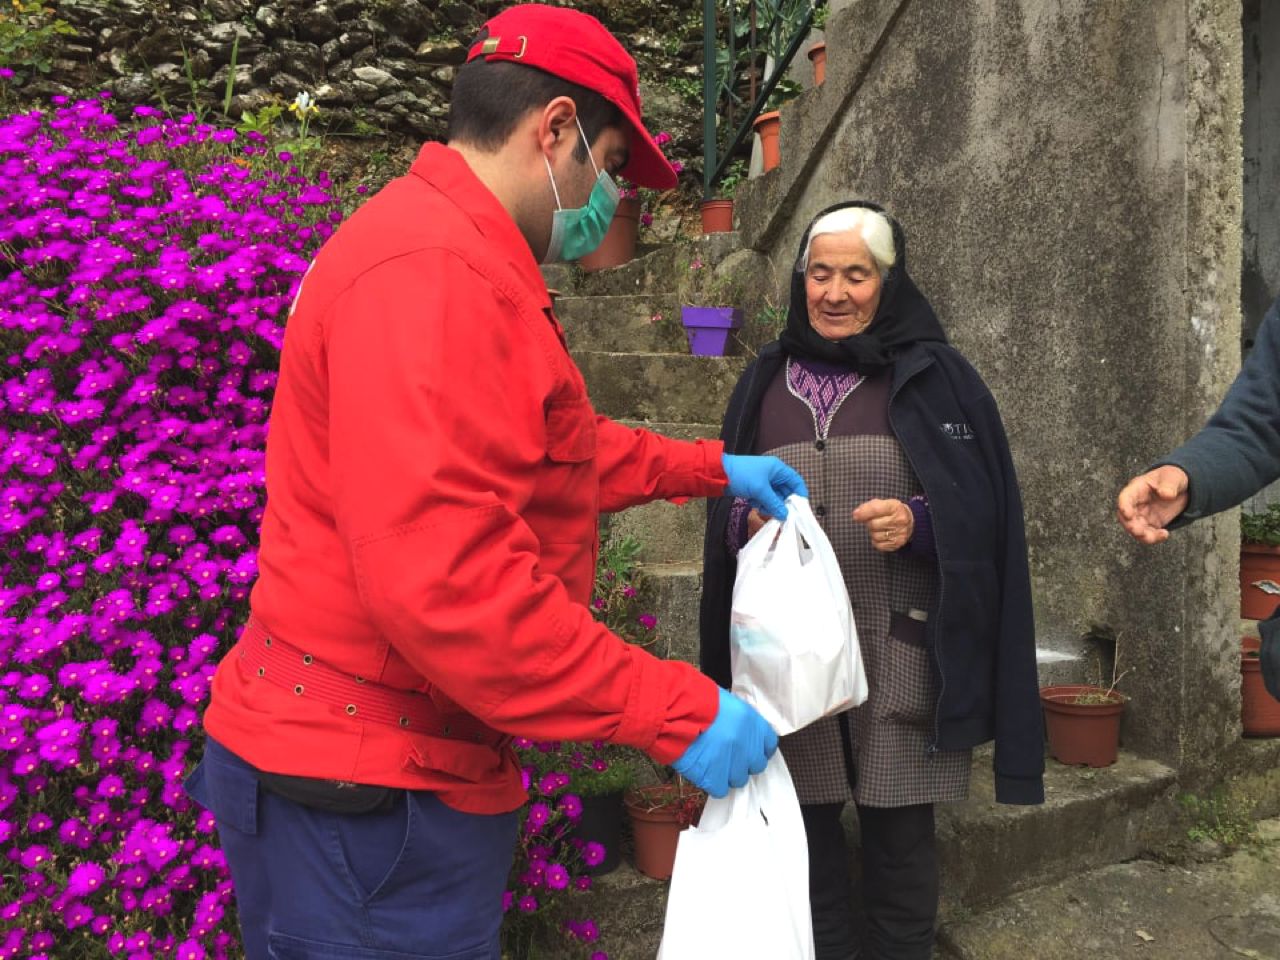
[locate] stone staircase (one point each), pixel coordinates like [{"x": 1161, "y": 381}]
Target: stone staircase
[{"x": 623, "y": 329}]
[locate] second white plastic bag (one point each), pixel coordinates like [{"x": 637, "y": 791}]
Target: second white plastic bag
[
  {"x": 792, "y": 642},
  {"x": 740, "y": 888}
]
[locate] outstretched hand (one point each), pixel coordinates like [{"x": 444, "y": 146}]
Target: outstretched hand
[{"x": 1150, "y": 502}]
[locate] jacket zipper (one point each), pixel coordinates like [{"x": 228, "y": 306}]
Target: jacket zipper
[{"x": 932, "y": 749}]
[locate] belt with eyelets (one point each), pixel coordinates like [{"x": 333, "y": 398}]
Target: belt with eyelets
[{"x": 288, "y": 667}]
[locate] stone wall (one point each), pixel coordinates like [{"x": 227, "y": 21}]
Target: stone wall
[
  {"x": 374, "y": 66},
  {"x": 1068, "y": 174}
]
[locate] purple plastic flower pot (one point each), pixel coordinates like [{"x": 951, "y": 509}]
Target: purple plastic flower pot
[{"x": 708, "y": 328}]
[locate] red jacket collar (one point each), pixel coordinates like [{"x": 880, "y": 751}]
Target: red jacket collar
[{"x": 446, "y": 170}]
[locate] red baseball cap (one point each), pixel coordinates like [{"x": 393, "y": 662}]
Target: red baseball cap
[{"x": 575, "y": 46}]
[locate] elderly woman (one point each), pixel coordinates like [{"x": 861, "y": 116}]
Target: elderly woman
[{"x": 910, "y": 475}]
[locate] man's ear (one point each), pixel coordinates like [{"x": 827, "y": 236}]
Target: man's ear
[{"x": 556, "y": 122}]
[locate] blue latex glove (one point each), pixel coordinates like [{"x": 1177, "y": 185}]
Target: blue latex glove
[
  {"x": 764, "y": 482},
  {"x": 737, "y": 744}
]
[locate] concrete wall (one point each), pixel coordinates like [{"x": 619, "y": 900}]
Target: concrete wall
[{"x": 1068, "y": 174}]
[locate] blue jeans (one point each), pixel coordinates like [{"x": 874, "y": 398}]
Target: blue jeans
[{"x": 420, "y": 881}]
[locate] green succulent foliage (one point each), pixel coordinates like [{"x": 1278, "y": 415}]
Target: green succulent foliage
[
  {"x": 1219, "y": 818},
  {"x": 734, "y": 175},
  {"x": 1262, "y": 527},
  {"x": 28, "y": 33}
]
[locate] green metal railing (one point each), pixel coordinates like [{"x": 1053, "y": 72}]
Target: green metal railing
[{"x": 768, "y": 27}]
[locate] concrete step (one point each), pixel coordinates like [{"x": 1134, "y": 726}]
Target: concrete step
[
  {"x": 667, "y": 387},
  {"x": 678, "y": 431},
  {"x": 672, "y": 592},
  {"x": 1091, "y": 819},
  {"x": 1218, "y": 908},
  {"x": 633, "y": 324},
  {"x": 667, "y": 533},
  {"x": 655, "y": 269}
]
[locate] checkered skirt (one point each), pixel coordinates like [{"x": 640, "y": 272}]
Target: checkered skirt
[{"x": 887, "y": 763}]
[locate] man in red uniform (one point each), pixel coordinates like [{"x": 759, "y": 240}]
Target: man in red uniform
[{"x": 435, "y": 473}]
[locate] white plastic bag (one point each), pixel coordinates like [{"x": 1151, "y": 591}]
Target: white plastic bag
[
  {"x": 740, "y": 887},
  {"x": 793, "y": 646}
]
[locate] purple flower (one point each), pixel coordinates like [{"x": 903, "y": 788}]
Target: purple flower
[
  {"x": 593, "y": 853},
  {"x": 539, "y": 814},
  {"x": 85, "y": 879},
  {"x": 557, "y": 877},
  {"x": 571, "y": 806},
  {"x": 143, "y": 288},
  {"x": 34, "y": 856}
]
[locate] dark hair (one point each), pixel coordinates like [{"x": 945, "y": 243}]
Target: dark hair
[{"x": 490, "y": 99}]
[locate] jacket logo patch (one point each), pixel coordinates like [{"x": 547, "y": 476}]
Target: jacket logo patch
[{"x": 958, "y": 431}]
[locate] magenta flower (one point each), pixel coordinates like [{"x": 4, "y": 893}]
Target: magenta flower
[
  {"x": 146, "y": 269},
  {"x": 539, "y": 814},
  {"x": 557, "y": 877},
  {"x": 571, "y": 806},
  {"x": 85, "y": 879}
]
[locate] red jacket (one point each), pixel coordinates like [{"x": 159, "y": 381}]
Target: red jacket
[{"x": 435, "y": 473}]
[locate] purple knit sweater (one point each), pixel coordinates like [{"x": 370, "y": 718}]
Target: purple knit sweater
[{"x": 823, "y": 387}]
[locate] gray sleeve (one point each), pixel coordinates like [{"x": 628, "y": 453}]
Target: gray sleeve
[{"x": 1237, "y": 453}]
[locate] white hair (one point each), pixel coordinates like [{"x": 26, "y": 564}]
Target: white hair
[{"x": 872, "y": 225}]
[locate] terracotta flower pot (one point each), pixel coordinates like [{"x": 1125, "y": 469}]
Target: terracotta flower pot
[
  {"x": 619, "y": 244},
  {"x": 767, "y": 126},
  {"x": 1259, "y": 711},
  {"x": 658, "y": 815},
  {"x": 818, "y": 57},
  {"x": 1081, "y": 733},
  {"x": 1258, "y": 562},
  {"x": 717, "y": 216}
]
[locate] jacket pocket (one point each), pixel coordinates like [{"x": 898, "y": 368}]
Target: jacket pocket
[
  {"x": 908, "y": 685},
  {"x": 571, "y": 430},
  {"x": 373, "y": 848},
  {"x": 463, "y": 760}
]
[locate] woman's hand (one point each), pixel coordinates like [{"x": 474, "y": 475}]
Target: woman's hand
[
  {"x": 889, "y": 523},
  {"x": 755, "y": 520}
]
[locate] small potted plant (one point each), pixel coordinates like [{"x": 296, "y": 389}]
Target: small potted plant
[
  {"x": 659, "y": 812},
  {"x": 818, "y": 52},
  {"x": 717, "y": 212},
  {"x": 1260, "y": 563},
  {"x": 708, "y": 315},
  {"x": 768, "y": 125},
  {"x": 1083, "y": 720},
  {"x": 599, "y": 774},
  {"x": 1259, "y": 711}
]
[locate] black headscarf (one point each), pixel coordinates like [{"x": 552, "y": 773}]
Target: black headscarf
[{"x": 903, "y": 317}]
